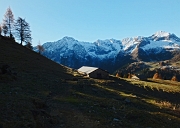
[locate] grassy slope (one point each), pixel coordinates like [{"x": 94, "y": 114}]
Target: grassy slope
[{"x": 41, "y": 96}]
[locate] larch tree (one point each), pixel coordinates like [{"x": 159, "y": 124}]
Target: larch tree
[
  {"x": 22, "y": 31},
  {"x": 8, "y": 21},
  {"x": 40, "y": 48}
]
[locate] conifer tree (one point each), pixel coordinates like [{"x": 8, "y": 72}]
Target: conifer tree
[
  {"x": 22, "y": 30},
  {"x": 8, "y": 21}
]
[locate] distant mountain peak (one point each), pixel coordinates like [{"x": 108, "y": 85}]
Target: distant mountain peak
[
  {"x": 161, "y": 34},
  {"x": 67, "y": 38}
]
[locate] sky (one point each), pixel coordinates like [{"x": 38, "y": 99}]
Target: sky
[{"x": 90, "y": 20}]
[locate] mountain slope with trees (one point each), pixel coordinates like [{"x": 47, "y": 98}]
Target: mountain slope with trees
[{"x": 16, "y": 28}]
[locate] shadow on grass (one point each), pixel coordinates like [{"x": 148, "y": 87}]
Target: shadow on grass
[
  {"x": 115, "y": 91},
  {"x": 106, "y": 102}
]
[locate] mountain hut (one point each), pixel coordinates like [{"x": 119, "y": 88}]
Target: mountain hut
[{"x": 94, "y": 72}]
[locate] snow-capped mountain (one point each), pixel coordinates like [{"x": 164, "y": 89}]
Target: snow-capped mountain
[
  {"x": 160, "y": 40},
  {"x": 159, "y": 46},
  {"x": 111, "y": 53}
]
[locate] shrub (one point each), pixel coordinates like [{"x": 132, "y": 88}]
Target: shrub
[
  {"x": 174, "y": 78},
  {"x": 157, "y": 76},
  {"x": 117, "y": 74}
]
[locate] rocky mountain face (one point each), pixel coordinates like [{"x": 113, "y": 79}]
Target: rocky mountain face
[{"x": 110, "y": 54}]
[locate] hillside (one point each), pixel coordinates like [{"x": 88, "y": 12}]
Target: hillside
[{"x": 37, "y": 92}]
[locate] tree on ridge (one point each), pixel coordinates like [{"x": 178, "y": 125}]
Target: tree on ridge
[
  {"x": 22, "y": 31},
  {"x": 8, "y": 21},
  {"x": 40, "y": 48},
  {"x": 29, "y": 45}
]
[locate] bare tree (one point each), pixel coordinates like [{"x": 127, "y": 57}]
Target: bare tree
[
  {"x": 22, "y": 30},
  {"x": 40, "y": 48},
  {"x": 9, "y": 21}
]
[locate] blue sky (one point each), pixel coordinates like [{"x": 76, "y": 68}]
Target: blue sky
[{"x": 89, "y": 20}]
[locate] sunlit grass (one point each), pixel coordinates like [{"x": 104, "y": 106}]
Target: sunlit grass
[
  {"x": 157, "y": 84},
  {"x": 165, "y": 104}
]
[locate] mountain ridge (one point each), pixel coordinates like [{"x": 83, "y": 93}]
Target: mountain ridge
[{"x": 104, "y": 53}]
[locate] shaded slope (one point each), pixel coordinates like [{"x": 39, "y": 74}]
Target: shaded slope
[
  {"x": 44, "y": 94},
  {"x": 24, "y": 60}
]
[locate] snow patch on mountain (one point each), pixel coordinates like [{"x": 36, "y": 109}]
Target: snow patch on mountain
[
  {"x": 129, "y": 44},
  {"x": 163, "y": 44},
  {"x": 162, "y": 40},
  {"x": 161, "y": 34}
]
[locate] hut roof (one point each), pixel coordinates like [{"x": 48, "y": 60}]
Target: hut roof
[
  {"x": 135, "y": 77},
  {"x": 86, "y": 69}
]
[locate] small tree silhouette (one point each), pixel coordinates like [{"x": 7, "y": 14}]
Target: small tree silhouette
[
  {"x": 29, "y": 45},
  {"x": 40, "y": 48}
]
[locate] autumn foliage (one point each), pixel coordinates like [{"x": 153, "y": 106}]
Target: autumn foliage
[
  {"x": 157, "y": 76},
  {"x": 117, "y": 75},
  {"x": 40, "y": 48},
  {"x": 174, "y": 78}
]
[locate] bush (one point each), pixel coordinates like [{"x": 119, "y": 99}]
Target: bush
[
  {"x": 174, "y": 78},
  {"x": 157, "y": 76}
]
